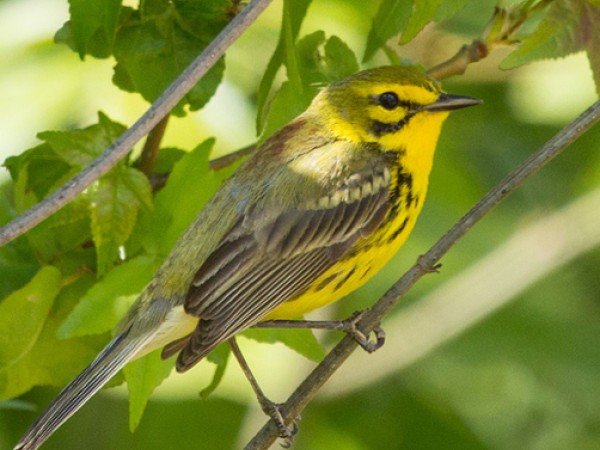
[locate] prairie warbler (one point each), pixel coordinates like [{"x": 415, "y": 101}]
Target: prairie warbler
[{"x": 310, "y": 216}]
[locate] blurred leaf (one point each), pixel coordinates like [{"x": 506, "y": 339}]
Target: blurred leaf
[
  {"x": 302, "y": 341},
  {"x": 167, "y": 158},
  {"x": 114, "y": 204},
  {"x": 423, "y": 12},
  {"x": 293, "y": 15},
  {"x": 49, "y": 361},
  {"x": 40, "y": 166},
  {"x": 565, "y": 29},
  {"x": 190, "y": 186},
  {"x": 339, "y": 60},
  {"x": 32, "y": 302},
  {"x": 220, "y": 357},
  {"x": 93, "y": 24},
  {"x": 448, "y": 8},
  {"x": 321, "y": 62},
  {"x": 285, "y": 105},
  {"x": 17, "y": 265},
  {"x": 426, "y": 11},
  {"x": 101, "y": 308},
  {"x": 391, "y": 18},
  {"x": 143, "y": 376}
]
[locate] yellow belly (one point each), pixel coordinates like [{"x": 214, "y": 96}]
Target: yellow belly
[{"x": 370, "y": 255}]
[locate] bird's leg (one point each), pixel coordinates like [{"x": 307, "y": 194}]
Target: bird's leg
[
  {"x": 269, "y": 407},
  {"x": 347, "y": 326}
]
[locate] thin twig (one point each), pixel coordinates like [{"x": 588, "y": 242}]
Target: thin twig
[
  {"x": 152, "y": 146},
  {"x": 457, "y": 65},
  {"x": 426, "y": 263},
  {"x": 226, "y": 160},
  {"x": 161, "y": 107}
]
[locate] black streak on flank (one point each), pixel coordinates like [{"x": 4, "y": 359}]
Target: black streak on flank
[
  {"x": 405, "y": 179},
  {"x": 343, "y": 280},
  {"x": 325, "y": 282},
  {"x": 397, "y": 232},
  {"x": 365, "y": 273},
  {"x": 404, "y": 183}
]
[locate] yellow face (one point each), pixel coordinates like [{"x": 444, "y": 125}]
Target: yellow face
[{"x": 377, "y": 105}]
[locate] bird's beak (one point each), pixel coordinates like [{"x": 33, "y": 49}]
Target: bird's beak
[{"x": 449, "y": 102}]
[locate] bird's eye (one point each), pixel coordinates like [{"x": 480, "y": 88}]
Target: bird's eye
[{"x": 389, "y": 100}]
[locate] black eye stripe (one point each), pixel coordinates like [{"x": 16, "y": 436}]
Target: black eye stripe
[{"x": 390, "y": 100}]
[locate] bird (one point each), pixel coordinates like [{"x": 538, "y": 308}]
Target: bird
[{"x": 312, "y": 214}]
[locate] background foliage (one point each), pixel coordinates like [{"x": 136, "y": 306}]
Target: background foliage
[{"x": 525, "y": 376}]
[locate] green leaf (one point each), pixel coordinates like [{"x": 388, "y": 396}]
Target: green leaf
[
  {"x": 220, "y": 357},
  {"x": 286, "y": 104},
  {"x": 37, "y": 172},
  {"x": 294, "y": 12},
  {"x": 390, "y": 20},
  {"x": 320, "y": 62},
  {"x": 17, "y": 266},
  {"x": 302, "y": 341},
  {"x": 143, "y": 376},
  {"x": 190, "y": 186},
  {"x": 339, "y": 61},
  {"x": 41, "y": 168},
  {"x": 79, "y": 148},
  {"x": 423, "y": 12},
  {"x": 101, "y": 308},
  {"x": 449, "y": 8},
  {"x": 114, "y": 204},
  {"x": 23, "y": 314},
  {"x": 565, "y": 29},
  {"x": 93, "y": 25},
  {"x": 163, "y": 40},
  {"x": 50, "y": 361}
]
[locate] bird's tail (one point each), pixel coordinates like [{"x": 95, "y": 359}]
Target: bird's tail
[{"x": 114, "y": 356}]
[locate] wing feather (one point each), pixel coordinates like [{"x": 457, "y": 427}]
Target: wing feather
[{"x": 263, "y": 263}]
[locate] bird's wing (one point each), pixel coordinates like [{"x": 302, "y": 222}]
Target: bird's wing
[{"x": 261, "y": 263}]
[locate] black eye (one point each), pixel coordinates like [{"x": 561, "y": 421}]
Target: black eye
[{"x": 389, "y": 100}]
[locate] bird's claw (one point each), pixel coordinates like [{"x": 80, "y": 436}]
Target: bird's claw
[{"x": 367, "y": 344}]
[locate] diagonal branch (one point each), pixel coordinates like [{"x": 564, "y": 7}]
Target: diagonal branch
[
  {"x": 426, "y": 263},
  {"x": 159, "y": 109}
]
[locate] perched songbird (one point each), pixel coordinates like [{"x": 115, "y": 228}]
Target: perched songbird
[{"x": 310, "y": 216}]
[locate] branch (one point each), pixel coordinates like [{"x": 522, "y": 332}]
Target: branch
[
  {"x": 152, "y": 146},
  {"x": 523, "y": 259},
  {"x": 426, "y": 263},
  {"x": 159, "y": 109},
  {"x": 457, "y": 65}
]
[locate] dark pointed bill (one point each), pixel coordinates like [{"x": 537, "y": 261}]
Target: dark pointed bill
[{"x": 449, "y": 102}]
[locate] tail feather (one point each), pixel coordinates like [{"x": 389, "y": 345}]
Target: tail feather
[{"x": 114, "y": 356}]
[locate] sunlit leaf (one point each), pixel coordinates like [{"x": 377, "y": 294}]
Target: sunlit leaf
[
  {"x": 93, "y": 24},
  {"x": 302, "y": 341},
  {"x": 32, "y": 302},
  {"x": 48, "y": 360},
  {"x": 79, "y": 148},
  {"x": 220, "y": 357},
  {"x": 114, "y": 204},
  {"x": 293, "y": 15},
  {"x": 106, "y": 302},
  {"x": 189, "y": 187},
  {"x": 565, "y": 29},
  {"x": 143, "y": 376},
  {"x": 391, "y": 18},
  {"x": 173, "y": 36}
]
